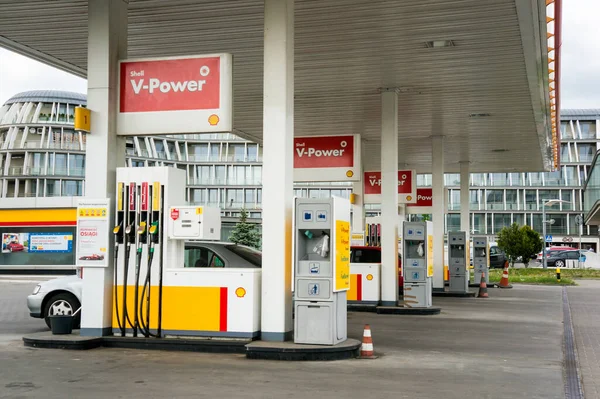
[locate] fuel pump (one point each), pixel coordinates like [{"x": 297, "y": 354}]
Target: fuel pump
[
  {"x": 481, "y": 260},
  {"x": 322, "y": 270},
  {"x": 417, "y": 264},
  {"x": 458, "y": 250}
]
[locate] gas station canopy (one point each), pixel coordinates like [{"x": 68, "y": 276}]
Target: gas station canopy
[{"x": 474, "y": 71}]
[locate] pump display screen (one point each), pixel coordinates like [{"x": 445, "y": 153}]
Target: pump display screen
[{"x": 415, "y": 249}]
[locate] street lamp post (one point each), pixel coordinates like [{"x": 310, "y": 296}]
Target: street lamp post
[{"x": 544, "y": 221}]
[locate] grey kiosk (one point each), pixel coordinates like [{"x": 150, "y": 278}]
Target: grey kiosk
[
  {"x": 481, "y": 260},
  {"x": 459, "y": 272},
  {"x": 417, "y": 264},
  {"x": 321, "y": 265}
]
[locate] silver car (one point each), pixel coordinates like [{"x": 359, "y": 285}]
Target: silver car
[{"x": 62, "y": 296}]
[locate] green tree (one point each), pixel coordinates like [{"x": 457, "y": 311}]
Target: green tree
[
  {"x": 510, "y": 240},
  {"x": 531, "y": 244},
  {"x": 245, "y": 233}
]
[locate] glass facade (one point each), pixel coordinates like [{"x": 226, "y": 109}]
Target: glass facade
[{"x": 47, "y": 159}]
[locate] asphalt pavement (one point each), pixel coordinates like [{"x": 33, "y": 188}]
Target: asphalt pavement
[
  {"x": 14, "y": 315},
  {"x": 506, "y": 346}
]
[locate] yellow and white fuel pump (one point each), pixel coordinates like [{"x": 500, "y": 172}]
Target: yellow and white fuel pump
[{"x": 155, "y": 294}]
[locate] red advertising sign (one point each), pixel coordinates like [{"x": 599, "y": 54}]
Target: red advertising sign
[
  {"x": 324, "y": 152},
  {"x": 372, "y": 182},
  {"x": 144, "y": 197},
  {"x": 174, "y": 214},
  {"x": 424, "y": 197},
  {"x": 132, "y": 196},
  {"x": 170, "y": 84}
]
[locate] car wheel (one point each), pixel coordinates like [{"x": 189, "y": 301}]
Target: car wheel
[
  {"x": 63, "y": 304},
  {"x": 559, "y": 263}
]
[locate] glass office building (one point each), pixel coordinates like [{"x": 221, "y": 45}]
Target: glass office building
[{"x": 42, "y": 156}]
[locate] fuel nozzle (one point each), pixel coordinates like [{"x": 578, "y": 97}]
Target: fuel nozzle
[
  {"x": 153, "y": 228},
  {"x": 117, "y": 229},
  {"x": 142, "y": 228},
  {"x": 129, "y": 232}
]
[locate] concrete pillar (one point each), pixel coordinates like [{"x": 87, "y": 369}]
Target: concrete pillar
[
  {"x": 278, "y": 167},
  {"x": 437, "y": 183},
  {"x": 389, "y": 197},
  {"x": 464, "y": 199},
  {"x": 358, "y": 208},
  {"x": 107, "y": 43}
]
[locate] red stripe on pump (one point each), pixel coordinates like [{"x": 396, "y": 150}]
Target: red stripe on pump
[
  {"x": 359, "y": 287},
  {"x": 223, "y": 318}
]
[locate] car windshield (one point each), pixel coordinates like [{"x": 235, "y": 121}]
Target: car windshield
[{"x": 248, "y": 254}]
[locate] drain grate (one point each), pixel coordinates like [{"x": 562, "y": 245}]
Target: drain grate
[{"x": 572, "y": 378}]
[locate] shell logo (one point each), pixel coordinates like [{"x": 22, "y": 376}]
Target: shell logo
[
  {"x": 213, "y": 120},
  {"x": 349, "y": 173},
  {"x": 240, "y": 292},
  {"x": 369, "y": 277},
  {"x": 409, "y": 197}
]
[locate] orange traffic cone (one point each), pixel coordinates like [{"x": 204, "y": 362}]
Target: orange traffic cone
[
  {"x": 482, "y": 288},
  {"x": 504, "y": 282},
  {"x": 366, "y": 350}
]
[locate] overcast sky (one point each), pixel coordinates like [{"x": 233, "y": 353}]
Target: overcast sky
[{"x": 580, "y": 62}]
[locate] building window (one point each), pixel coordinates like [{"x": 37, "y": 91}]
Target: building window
[
  {"x": 199, "y": 196},
  {"x": 547, "y": 195},
  {"x": 199, "y": 152},
  {"x": 567, "y": 195},
  {"x": 474, "y": 196},
  {"x": 452, "y": 179},
  {"x": 553, "y": 179},
  {"x": 519, "y": 219},
  {"x": 52, "y": 188},
  {"x": 452, "y": 222},
  {"x": 565, "y": 130},
  {"x": 501, "y": 220},
  {"x": 494, "y": 199},
  {"x": 249, "y": 197},
  {"x": 512, "y": 203},
  {"x": 565, "y": 152},
  {"x": 535, "y": 179},
  {"x": 478, "y": 179},
  {"x": 252, "y": 152},
  {"x": 588, "y": 130},
  {"x": 236, "y": 152},
  {"x": 517, "y": 179},
  {"x": 499, "y": 179},
  {"x": 531, "y": 200},
  {"x": 454, "y": 200},
  {"x": 559, "y": 227},
  {"x": 424, "y": 180},
  {"x": 479, "y": 224},
  {"x": 76, "y": 165},
  {"x": 586, "y": 152},
  {"x": 72, "y": 188},
  {"x": 571, "y": 175}
]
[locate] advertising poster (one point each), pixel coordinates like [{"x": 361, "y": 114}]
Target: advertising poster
[
  {"x": 342, "y": 255},
  {"x": 14, "y": 242},
  {"x": 92, "y": 232},
  {"x": 50, "y": 242}
]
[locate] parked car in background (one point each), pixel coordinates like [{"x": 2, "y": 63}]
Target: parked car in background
[
  {"x": 62, "y": 296},
  {"x": 498, "y": 258},
  {"x": 559, "y": 259},
  {"x": 554, "y": 249},
  {"x": 361, "y": 254}
]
